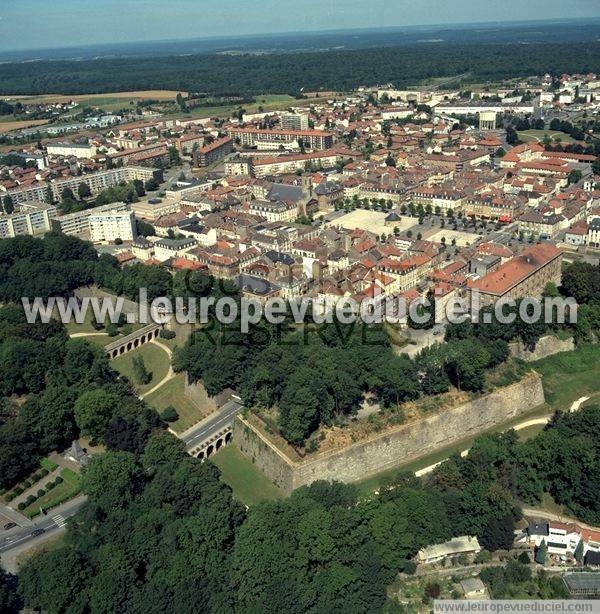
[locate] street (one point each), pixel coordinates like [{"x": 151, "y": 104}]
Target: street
[
  {"x": 19, "y": 538},
  {"x": 213, "y": 424}
]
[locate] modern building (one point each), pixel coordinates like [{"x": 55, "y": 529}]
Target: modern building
[
  {"x": 215, "y": 151},
  {"x": 71, "y": 149},
  {"x": 313, "y": 139},
  {"x": 78, "y": 224},
  {"x": 28, "y": 219},
  {"x": 106, "y": 227},
  {"x": 294, "y": 121}
]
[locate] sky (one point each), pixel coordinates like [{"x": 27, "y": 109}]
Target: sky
[{"x": 37, "y": 24}]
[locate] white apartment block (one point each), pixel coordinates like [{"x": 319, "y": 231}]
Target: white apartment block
[
  {"x": 28, "y": 219},
  {"x": 78, "y": 224},
  {"x": 108, "y": 226},
  {"x": 96, "y": 181},
  {"x": 71, "y": 149}
]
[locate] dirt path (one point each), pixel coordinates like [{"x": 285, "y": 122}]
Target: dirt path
[{"x": 517, "y": 427}]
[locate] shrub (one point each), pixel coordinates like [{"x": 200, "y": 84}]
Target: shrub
[
  {"x": 50, "y": 486},
  {"x": 9, "y": 497},
  {"x": 17, "y": 491},
  {"x": 44, "y": 472},
  {"x": 21, "y": 506},
  {"x": 58, "y": 480},
  {"x": 169, "y": 414},
  {"x": 167, "y": 334},
  {"x": 40, "y": 493},
  {"x": 26, "y": 484},
  {"x": 31, "y": 499},
  {"x": 112, "y": 330},
  {"x": 36, "y": 477}
]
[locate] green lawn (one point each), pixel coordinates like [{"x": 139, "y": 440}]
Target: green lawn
[
  {"x": 155, "y": 359},
  {"x": 249, "y": 485},
  {"x": 570, "y": 375},
  {"x": 537, "y": 136},
  {"x": 68, "y": 489},
  {"x": 172, "y": 393}
]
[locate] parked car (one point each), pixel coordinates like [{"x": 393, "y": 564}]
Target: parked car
[{"x": 9, "y": 525}]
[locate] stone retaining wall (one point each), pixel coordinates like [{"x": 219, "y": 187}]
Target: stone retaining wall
[
  {"x": 546, "y": 346},
  {"x": 405, "y": 443}
]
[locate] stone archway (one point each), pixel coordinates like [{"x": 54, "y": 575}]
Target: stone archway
[
  {"x": 136, "y": 343},
  {"x": 201, "y": 456},
  {"x": 122, "y": 350},
  {"x": 228, "y": 437},
  {"x": 209, "y": 450},
  {"x": 219, "y": 444}
]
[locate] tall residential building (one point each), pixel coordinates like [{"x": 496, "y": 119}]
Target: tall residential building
[
  {"x": 97, "y": 182},
  {"x": 110, "y": 225},
  {"x": 294, "y": 121},
  {"x": 78, "y": 224},
  {"x": 28, "y": 219}
]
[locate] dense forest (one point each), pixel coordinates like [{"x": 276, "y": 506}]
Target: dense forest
[
  {"x": 298, "y": 373},
  {"x": 290, "y": 72},
  {"x": 160, "y": 532}
]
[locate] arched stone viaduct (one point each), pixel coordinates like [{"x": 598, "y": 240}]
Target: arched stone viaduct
[
  {"x": 133, "y": 340},
  {"x": 214, "y": 443}
]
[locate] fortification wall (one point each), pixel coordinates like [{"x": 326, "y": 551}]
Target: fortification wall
[
  {"x": 405, "y": 443},
  {"x": 546, "y": 346}
]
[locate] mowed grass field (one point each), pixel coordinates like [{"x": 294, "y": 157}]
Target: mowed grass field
[
  {"x": 249, "y": 484},
  {"x": 155, "y": 358},
  {"x": 570, "y": 375},
  {"x": 537, "y": 136},
  {"x": 173, "y": 393}
]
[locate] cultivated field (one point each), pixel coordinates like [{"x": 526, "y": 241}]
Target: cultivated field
[{"x": 17, "y": 125}]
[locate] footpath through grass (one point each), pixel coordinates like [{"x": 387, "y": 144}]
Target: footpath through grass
[
  {"x": 155, "y": 359},
  {"x": 173, "y": 393},
  {"x": 570, "y": 375},
  {"x": 249, "y": 484}
]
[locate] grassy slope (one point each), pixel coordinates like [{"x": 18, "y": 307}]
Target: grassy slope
[
  {"x": 155, "y": 359},
  {"x": 570, "y": 375},
  {"x": 172, "y": 393},
  {"x": 249, "y": 484}
]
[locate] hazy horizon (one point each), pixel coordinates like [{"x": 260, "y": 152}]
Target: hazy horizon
[{"x": 32, "y": 25}]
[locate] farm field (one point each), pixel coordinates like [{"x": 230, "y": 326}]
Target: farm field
[{"x": 6, "y": 126}]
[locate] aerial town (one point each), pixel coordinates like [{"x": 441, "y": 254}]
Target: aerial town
[{"x": 155, "y": 465}]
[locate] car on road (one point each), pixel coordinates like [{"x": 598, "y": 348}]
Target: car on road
[
  {"x": 38, "y": 532},
  {"x": 10, "y": 525}
]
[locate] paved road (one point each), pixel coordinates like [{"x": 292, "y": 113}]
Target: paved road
[
  {"x": 213, "y": 424},
  {"x": 54, "y": 520}
]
